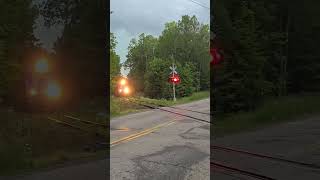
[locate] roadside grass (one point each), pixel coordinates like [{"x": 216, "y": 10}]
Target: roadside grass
[
  {"x": 92, "y": 110},
  {"x": 194, "y": 97},
  {"x": 119, "y": 106},
  {"x": 29, "y": 141},
  {"x": 271, "y": 112}
]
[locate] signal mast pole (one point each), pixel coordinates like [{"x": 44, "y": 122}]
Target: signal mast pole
[
  {"x": 173, "y": 69},
  {"x": 173, "y": 86}
]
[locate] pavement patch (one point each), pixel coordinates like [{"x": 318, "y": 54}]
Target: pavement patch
[
  {"x": 170, "y": 163},
  {"x": 196, "y": 133}
]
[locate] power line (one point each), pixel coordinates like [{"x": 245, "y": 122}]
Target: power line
[{"x": 196, "y": 2}]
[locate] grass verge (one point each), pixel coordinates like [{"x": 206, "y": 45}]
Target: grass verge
[
  {"x": 271, "y": 112},
  {"x": 121, "y": 107}
]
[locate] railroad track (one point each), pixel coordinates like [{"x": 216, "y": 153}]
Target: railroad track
[
  {"x": 173, "y": 112},
  {"x": 223, "y": 166},
  {"x": 172, "y": 107},
  {"x": 258, "y": 155},
  {"x": 70, "y": 121},
  {"x": 218, "y": 165},
  {"x": 263, "y": 156}
]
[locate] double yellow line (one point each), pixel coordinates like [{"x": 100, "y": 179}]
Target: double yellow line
[{"x": 139, "y": 134}]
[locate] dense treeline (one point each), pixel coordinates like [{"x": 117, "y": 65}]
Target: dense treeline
[
  {"x": 270, "y": 49},
  {"x": 81, "y": 50},
  {"x": 115, "y": 65},
  {"x": 16, "y": 39},
  {"x": 80, "y": 54},
  {"x": 186, "y": 43}
]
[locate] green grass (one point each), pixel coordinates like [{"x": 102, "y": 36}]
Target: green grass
[
  {"x": 271, "y": 112},
  {"x": 121, "y": 107}
]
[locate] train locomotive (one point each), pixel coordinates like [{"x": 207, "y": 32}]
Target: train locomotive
[
  {"x": 123, "y": 88},
  {"x": 41, "y": 88}
]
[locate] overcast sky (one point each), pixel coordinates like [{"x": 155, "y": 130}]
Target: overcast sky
[
  {"x": 47, "y": 36},
  {"x": 133, "y": 17}
]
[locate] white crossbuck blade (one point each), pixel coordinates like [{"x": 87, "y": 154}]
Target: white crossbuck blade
[
  {"x": 173, "y": 72},
  {"x": 173, "y": 67}
]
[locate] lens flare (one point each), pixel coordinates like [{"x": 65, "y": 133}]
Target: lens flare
[
  {"x": 41, "y": 66},
  {"x": 123, "y": 82},
  {"x": 126, "y": 90},
  {"x": 53, "y": 90},
  {"x": 33, "y": 92}
]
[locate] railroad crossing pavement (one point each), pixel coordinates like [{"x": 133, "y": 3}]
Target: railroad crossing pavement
[
  {"x": 299, "y": 141},
  {"x": 178, "y": 148}
]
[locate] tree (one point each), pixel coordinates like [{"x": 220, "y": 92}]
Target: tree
[
  {"x": 82, "y": 47},
  {"x": 16, "y": 40},
  {"x": 140, "y": 52},
  {"x": 156, "y": 79},
  {"x": 114, "y": 61},
  {"x": 242, "y": 83},
  {"x": 187, "y": 41}
]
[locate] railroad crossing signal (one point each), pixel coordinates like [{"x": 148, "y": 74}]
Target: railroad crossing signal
[
  {"x": 174, "y": 79},
  {"x": 217, "y": 57},
  {"x": 173, "y": 69}
]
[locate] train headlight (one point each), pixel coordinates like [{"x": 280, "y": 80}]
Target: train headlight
[
  {"x": 42, "y": 66},
  {"x": 53, "y": 90},
  {"x": 126, "y": 90},
  {"x": 33, "y": 92},
  {"x": 123, "y": 82}
]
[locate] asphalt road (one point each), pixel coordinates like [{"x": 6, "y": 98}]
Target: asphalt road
[
  {"x": 147, "y": 145},
  {"x": 298, "y": 141},
  {"x": 160, "y": 145}
]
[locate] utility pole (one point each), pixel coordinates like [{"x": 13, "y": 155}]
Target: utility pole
[{"x": 173, "y": 68}]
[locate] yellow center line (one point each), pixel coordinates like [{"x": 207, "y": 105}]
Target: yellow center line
[{"x": 139, "y": 134}]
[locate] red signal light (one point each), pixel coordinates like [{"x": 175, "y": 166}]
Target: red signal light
[
  {"x": 216, "y": 55},
  {"x": 174, "y": 79}
]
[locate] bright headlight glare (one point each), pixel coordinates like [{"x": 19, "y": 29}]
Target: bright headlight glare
[
  {"x": 126, "y": 90},
  {"x": 53, "y": 90},
  {"x": 33, "y": 92},
  {"x": 123, "y": 82},
  {"x": 41, "y": 66}
]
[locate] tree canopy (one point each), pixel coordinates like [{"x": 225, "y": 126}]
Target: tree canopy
[
  {"x": 270, "y": 50},
  {"x": 16, "y": 39},
  {"x": 186, "y": 43}
]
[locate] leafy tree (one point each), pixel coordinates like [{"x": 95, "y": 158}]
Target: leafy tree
[
  {"x": 187, "y": 41},
  {"x": 278, "y": 56},
  {"x": 156, "y": 79},
  {"x": 140, "y": 52},
  {"x": 16, "y": 39},
  {"x": 242, "y": 83},
  {"x": 188, "y": 85},
  {"x": 114, "y": 61},
  {"x": 82, "y": 47}
]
